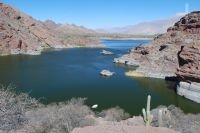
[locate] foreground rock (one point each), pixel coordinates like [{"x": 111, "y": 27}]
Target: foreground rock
[
  {"x": 189, "y": 90},
  {"x": 122, "y": 129},
  {"x": 134, "y": 124},
  {"x": 106, "y": 73}
]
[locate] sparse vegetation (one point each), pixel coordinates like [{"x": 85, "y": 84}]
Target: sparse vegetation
[
  {"x": 21, "y": 113},
  {"x": 114, "y": 114},
  {"x": 13, "y": 108},
  {"x": 62, "y": 117},
  {"x": 174, "y": 118}
]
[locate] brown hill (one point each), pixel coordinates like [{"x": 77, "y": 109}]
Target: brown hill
[
  {"x": 73, "y": 29},
  {"x": 51, "y": 24},
  {"x": 74, "y": 36}
]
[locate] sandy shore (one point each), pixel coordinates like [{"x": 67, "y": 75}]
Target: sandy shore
[{"x": 134, "y": 74}]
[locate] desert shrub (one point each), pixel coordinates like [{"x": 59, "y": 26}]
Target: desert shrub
[
  {"x": 13, "y": 107},
  {"x": 173, "y": 117},
  {"x": 62, "y": 117},
  {"x": 114, "y": 114}
]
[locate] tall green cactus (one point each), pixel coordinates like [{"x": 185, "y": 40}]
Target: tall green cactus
[{"x": 146, "y": 114}]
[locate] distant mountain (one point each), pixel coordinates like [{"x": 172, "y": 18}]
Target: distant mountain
[
  {"x": 68, "y": 28},
  {"x": 51, "y": 24},
  {"x": 144, "y": 28}
]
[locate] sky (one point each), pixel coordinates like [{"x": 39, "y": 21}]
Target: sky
[{"x": 102, "y": 13}]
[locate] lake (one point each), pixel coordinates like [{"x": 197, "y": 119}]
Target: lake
[{"x": 59, "y": 75}]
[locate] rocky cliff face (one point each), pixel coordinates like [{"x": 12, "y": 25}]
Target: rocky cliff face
[
  {"x": 161, "y": 58},
  {"x": 175, "y": 53},
  {"x": 189, "y": 23},
  {"x": 189, "y": 55},
  {"x": 189, "y": 58},
  {"x": 21, "y": 34},
  {"x": 189, "y": 61}
]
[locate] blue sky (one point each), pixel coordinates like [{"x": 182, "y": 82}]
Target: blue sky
[{"x": 102, "y": 13}]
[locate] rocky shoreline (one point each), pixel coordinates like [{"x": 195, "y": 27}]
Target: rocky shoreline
[{"x": 175, "y": 54}]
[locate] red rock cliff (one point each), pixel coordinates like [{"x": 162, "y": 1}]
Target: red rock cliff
[
  {"x": 163, "y": 55},
  {"x": 20, "y": 33},
  {"x": 189, "y": 55}
]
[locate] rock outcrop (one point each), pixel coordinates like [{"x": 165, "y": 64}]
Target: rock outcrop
[
  {"x": 173, "y": 54},
  {"x": 189, "y": 63},
  {"x": 106, "y": 73},
  {"x": 21, "y": 34},
  {"x": 189, "y": 58},
  {"x": 189, "y": 23},
  {"x": 135, "y": 124},
  {"x": 122, "y": 129},
  {"x": 189, "y": 90},
  {"x": 105, "y": 52},
  {"x": 160, "y": 58}
]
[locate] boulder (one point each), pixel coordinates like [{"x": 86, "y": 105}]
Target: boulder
[
  {"x": 189, "y": 90},
  {"x": 106, "y": 73},
  {"x": 105, "y": 52}
]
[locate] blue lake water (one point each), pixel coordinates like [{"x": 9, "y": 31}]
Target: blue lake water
[{"x": 59, "y": 75}]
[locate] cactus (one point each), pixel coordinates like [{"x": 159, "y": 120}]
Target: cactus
[
  {"x": 146, "y": 114},
  {"x": 160, "y": 121}
]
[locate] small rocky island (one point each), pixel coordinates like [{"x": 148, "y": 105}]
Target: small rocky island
[
  {"x": 106, "y": 73},
  {"x": 175, "y": 54},
  {"x": 105, "y": 52}
]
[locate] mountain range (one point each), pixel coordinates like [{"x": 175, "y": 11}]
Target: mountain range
[{"x": 144, "y": 28}]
